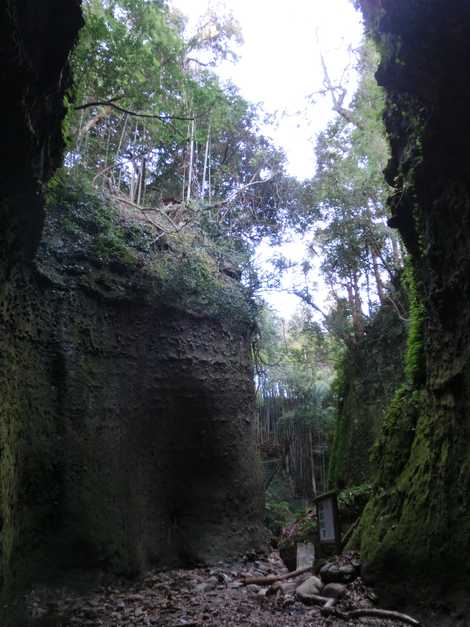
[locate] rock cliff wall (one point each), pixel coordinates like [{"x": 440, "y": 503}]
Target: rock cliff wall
[
  {"x": 128, "y": 403},
  {"x": 126, "y": 393},
  {"x": 418, "y": 523}
]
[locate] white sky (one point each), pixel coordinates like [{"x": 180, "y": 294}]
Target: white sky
[{"x": 279, "y": 66}]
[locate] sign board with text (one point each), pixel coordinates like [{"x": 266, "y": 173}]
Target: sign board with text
[{"x": 328, "y": 522}]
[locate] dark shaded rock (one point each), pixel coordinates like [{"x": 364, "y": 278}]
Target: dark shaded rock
[
  {"x": 332, "y": 573},
  {"x": 207, "y": 586},
  {"x": 288, "y": 555},
  {"x": 35, "y": 42},
  {"x": 416, "y": 523},
  {"x": 347, "y": 573},
  {"x": 128, "y": 401}
]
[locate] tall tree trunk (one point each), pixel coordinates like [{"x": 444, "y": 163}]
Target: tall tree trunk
[
  {"x": 397, "y": 258},
  {"x": 191, "y": 159},
  {"x": 106, "y": 154},
  {"x": 209, "y": 173},
  {"x": 352, "y": 304},
  {"x": 132, "y": 186},
  {"x": 312, "y": 464},
  {"x": 367, "y": 274},
  {"x": 355, "y": 305},
  {"x": 358, "y": 305},
  {"x": 206, "y": 160},
  {"x": 141, "y": 182},
  {"x": 378, "y": 279},
  {"x": 116, "y": 157}
]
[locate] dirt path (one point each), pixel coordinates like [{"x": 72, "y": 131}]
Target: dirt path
[{"x": 196, "y": 598}]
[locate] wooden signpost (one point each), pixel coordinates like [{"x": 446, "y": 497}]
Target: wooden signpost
[{"x": 328, "y": 520}]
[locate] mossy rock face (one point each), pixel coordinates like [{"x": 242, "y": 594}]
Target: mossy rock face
[
  {"x": 417, "y": 525},
  {"x": 118, "y": 255},
  {"x": 370, "y": 373},
  {"x": 405, "y": 530},
  {"x": 127, "y": 417}
]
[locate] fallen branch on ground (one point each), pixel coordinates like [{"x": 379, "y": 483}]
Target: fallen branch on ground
[
  {"x": 328, "y": 609},
  {"x": 288, "y": 587},
  {"x": 269, "y": 579},
  {"x": 317, "y": 598},
  {"x": 372, "y": 613}
]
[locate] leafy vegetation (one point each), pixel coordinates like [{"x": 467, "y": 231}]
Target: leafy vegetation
[
  {"x": 295, "y": 405},
  {"x": 153, "y": 126},
  {"x": 352, "y": 500},
  {"x": 359, "y": 254},
  {"x": 277, "y": 516},
  {"x": 302, "y": 529}
]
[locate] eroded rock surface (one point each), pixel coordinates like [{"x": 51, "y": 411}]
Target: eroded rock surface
[
  {"x": 128, "y": 403},
  {"x": 417, "y": 525}
]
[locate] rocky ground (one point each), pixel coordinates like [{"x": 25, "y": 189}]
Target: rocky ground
[{"x": 199, "y": 597}]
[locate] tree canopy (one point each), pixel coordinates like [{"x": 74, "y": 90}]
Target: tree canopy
[
  {"x": 153, "y": 125},
  {"x": 359, "y": 254}
]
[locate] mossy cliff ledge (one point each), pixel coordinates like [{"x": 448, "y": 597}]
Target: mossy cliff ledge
[
  {"x": 127, "y": 415},
  {"x": 418, "y": 523}
]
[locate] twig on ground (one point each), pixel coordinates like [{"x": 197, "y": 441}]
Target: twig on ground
[
  {"x": 269, "y": 579},
  {"x": 373, "y": 613}
]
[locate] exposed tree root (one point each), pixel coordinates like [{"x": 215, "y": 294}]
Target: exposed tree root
[
  {"x": 373, "y": 613},
  {"x": 269, "y": 579}
]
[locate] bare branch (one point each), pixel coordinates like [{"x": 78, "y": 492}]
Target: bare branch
[
  {"x": 111, "y": 103},
  {"x": 240, "y": 190},
  {"x": 305, "y": 296},
  {"x": 373, "y": 613},
  {"x": 337, "y": 93},
  {"x": 194, "y": 60}
]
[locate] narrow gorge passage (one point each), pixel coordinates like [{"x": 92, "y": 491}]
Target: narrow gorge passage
[{"x": 164, "y": 430}]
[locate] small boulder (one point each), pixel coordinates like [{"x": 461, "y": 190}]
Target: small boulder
[
  {"x": 236, "y": 584},
  {"x": 333, "y": 590},
  {"x": 288, "y": 555},
  {"x": 348, "y": 573},
  {"x": 329, "y": 573},
  {"x": 208, "y": 585},
  {"x": 310, "y": 588},
  {"x": 223, "y": 578},
  {"x": 262, "y": 596}
]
